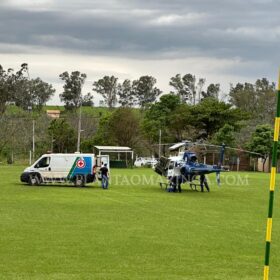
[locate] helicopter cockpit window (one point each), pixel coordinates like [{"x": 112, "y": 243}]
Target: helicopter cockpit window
[
  {"x": 44, "y": 162},
  {"x": 193, "y": 159}
]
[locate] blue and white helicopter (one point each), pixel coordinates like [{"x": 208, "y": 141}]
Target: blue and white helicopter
[{"x": 184, "y": 168}]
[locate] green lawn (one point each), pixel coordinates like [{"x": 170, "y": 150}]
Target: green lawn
[{"x": 136, "y": 231}]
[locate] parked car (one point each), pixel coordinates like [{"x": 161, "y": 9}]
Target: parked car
[{"x": 145, "y": 161}]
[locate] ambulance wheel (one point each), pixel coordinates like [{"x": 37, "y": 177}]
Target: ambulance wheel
[
  {"x": 79, "y": 181},
  {"x": 34, "y": 180}
]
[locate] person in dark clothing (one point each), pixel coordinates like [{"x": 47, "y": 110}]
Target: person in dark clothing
[
  {"x": 203, "y": 182},
  {"x": 176, "y": 181},
  {"x": 104, "y": 176}
]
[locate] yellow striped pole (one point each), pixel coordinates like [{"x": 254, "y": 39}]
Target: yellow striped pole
[{"x": 272, "y": 186}]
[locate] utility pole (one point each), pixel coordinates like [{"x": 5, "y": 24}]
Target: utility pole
[
  {"x": 24, "y": 67},
  {"x": 79, "y": 128},
  {"x": 80, "y": 102}
]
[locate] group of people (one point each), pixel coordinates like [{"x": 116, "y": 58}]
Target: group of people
[
  {"x": 104, "y": 175},
  {"x": 175, "y": 182}
]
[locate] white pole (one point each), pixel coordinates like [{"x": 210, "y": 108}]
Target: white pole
[
  {"x": 79, "y": 129},
  {"x": 33, "y": 139},
  {"x": 52, "y": 144},
  {"x": 30, "y": 157},
  {"x": 159, "y": 143},
  {"x": 238, "y": 163}
]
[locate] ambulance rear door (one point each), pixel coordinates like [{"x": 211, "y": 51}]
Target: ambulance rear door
[{"x": 103, "y": 159}]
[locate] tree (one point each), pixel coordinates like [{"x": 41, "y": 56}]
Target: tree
[
  {"x": 21, "y": 85},
  {"x": 257, "y": 99},
  {"x": 107, "y": 88},
  {"x": 262, "y": 141},
  {"x": 225, "y": 135},
  {"x": 193, "y": 88},
  {"x": 103, "y": 135},
  {"x": 63, "y": 136},
  {"x": 126, "y": 94},
  {"x": 120, "y": 127},
  {"x": 180, "y": 123},
  {"x": 145, "y": 91},
  {"x": 8, "y": 131},
  {"x": 41, "y": 92},
  {"x": 212, "y": 91},
  {"x": 16, "y": 133},
  {"x": 72, "y": 89},
  {"x": 267, "y": 99},
  {"x": 14, "y": 87},
  {"x": 22, "y": 96},
  {"x": 157, "y": 117},
  {"x": 124, "y": 127},
  {"x": 87, "y": 100},
  {"x": 210, "y": 115},
  {"x": 187, "y": 88},
  {"x": 179, "y": 87},
  {"x": 4, "y": 90}
]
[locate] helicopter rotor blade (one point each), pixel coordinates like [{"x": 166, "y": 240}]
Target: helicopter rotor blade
[
  {"x": 190, "y": 144},
  {"x": 228, "y": 148}
]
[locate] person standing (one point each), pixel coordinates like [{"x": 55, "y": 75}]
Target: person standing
[
  {"x": 104, "y": 176},
  {"x": 94, "y": 173},
  {"x": 176, "y": 181}
]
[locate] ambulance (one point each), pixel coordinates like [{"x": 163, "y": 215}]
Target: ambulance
[{"x": 77, "y": 168}]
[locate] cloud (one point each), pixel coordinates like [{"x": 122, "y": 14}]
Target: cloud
[
  {"x": 131, "y": 28},
  {"x": 221, "y": 38},
  {"x": 271, "y": 35},
  {"x": 179, "y": 20},
  {"x": 32, "y": 5}
]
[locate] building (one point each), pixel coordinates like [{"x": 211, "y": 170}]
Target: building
[{"x": 54, "y": 114}]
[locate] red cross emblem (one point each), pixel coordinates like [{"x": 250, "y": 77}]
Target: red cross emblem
[{"x": 81, "y": 163}]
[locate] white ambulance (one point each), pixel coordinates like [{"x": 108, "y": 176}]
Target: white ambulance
[{"x": 77, "y": 168}]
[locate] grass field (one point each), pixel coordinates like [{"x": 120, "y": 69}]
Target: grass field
[{"x": 135, "y": 230}]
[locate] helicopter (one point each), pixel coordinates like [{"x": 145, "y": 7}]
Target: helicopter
[{"x": 184, "y": 167}]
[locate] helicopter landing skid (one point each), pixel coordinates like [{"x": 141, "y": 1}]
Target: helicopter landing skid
[
  {"x": 194, "y": 186},
  {"x": 162, "y": 185}
]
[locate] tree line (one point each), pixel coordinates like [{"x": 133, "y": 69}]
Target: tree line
[
  {"x": 138, "y": 112},
  {"x": 17, "y": 88},
  {"x": 137, "y": 93}
]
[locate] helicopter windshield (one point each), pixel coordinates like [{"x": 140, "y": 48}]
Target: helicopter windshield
[{"x": 193, "y": 159}]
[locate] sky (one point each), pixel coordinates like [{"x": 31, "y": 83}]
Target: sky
[{"x": 220, "y": 40}]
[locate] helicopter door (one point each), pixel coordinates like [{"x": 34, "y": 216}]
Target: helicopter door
[{"x": 162, "y": 166}]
